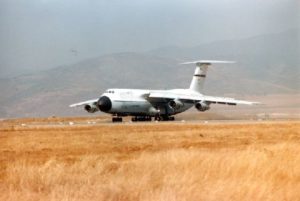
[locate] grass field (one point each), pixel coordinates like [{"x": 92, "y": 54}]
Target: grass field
[{"x": 159, "y": 161}]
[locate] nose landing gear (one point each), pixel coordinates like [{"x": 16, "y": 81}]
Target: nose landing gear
[{"x": 117, "y": 119}]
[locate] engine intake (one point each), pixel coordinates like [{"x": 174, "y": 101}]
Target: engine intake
[
  {"x": 175, "y": 104},
  {"x": 202, "y": 106},
  {"x": 104, "y": 104},
  {"x": 91, "y": 108}
]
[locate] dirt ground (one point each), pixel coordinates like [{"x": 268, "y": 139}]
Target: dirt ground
[{"x": 91, "y": 159}]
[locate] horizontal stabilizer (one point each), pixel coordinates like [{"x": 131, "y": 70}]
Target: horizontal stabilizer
[{"x": 208, "y": 62}]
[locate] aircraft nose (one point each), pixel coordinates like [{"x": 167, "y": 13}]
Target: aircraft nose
[{"x": 104, "y": 104}]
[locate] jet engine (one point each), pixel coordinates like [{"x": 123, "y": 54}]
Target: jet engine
[
  {"x": 202, "y": 106},
  {"x": 175, "y": 104},
  {"x": 104, "y": 104},
  {"x": 91, "y": 108}
]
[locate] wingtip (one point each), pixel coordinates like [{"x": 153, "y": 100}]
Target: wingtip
[{"x": 258, "y": 103}]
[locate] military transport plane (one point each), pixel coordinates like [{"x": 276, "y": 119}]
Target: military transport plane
[{"x": 143, "y": 105}]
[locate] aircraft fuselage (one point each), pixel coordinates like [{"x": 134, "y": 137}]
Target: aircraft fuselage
[{"x": 132, "y": 102}]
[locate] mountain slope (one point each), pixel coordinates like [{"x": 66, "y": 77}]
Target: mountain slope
[
  {"x": 50, "y": 92},
  {"x": 266, "y": 65},
  {"x": 272, "y": 58}
]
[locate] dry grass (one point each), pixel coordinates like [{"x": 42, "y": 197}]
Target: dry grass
[{"x": 251, "y": 161}]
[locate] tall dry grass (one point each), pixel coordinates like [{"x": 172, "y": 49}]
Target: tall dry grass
[{"x": 153, "y": 162}]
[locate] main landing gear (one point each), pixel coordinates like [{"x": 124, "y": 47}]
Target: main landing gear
[
  {"x": 156, "y": 118},
  {"x": 144, "y": 118},
  {"x": 141, "y": 118},
  {"x": 164, "y": 118}
]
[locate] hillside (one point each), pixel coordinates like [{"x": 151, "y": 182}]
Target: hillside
[
  {"x": 266, "y": 65},
  {"x": 50, "y": 92},
  {"x": 271, "y": 59}
]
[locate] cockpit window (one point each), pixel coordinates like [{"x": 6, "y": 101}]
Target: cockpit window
[{"x": 110, "y": 91}]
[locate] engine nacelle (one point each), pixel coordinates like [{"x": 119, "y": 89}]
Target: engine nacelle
[
  {"x": 202, "y": 106},
  {"x": 175, "y": 104},
  {"x": 91, "y": 108}
]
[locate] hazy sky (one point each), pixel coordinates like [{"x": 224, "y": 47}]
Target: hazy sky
[{"x": 39, "y": 34}]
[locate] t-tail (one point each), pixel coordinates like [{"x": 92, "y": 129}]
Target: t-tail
[{"x": 200, "y": 73}]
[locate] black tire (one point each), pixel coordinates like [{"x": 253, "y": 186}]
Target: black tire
[
  {"x": 157, "y": 118},
  {"x": 117, "y": 119}
]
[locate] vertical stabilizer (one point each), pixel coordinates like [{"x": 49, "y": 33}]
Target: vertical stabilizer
[
  {"x": 199, "y": 77},
  {"x": 200, "y": 73}
]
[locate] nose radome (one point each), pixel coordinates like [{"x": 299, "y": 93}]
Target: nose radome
[{"x": 104, "y": 104}]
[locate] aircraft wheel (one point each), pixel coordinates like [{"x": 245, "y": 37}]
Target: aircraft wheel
[
  {"x": 117, "y": 119},
  {"x": 157, "y": 118},
  {"x": 171, "y": 118},
  {"x": 165, "y": 118}
]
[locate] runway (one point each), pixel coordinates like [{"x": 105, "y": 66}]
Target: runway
[{"x": 94, "y": 122}]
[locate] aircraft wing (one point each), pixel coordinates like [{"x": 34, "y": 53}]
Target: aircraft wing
[
  {"x": 196, "y": 98},
  {"x": 227, "y": 101},
  {"x": 84, "y": 103}
]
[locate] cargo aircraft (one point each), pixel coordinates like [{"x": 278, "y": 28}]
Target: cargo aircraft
[{"x": 162, "y": 105}]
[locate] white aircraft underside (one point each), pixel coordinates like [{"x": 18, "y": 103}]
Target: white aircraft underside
[{"x": 161, "y": 104}]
